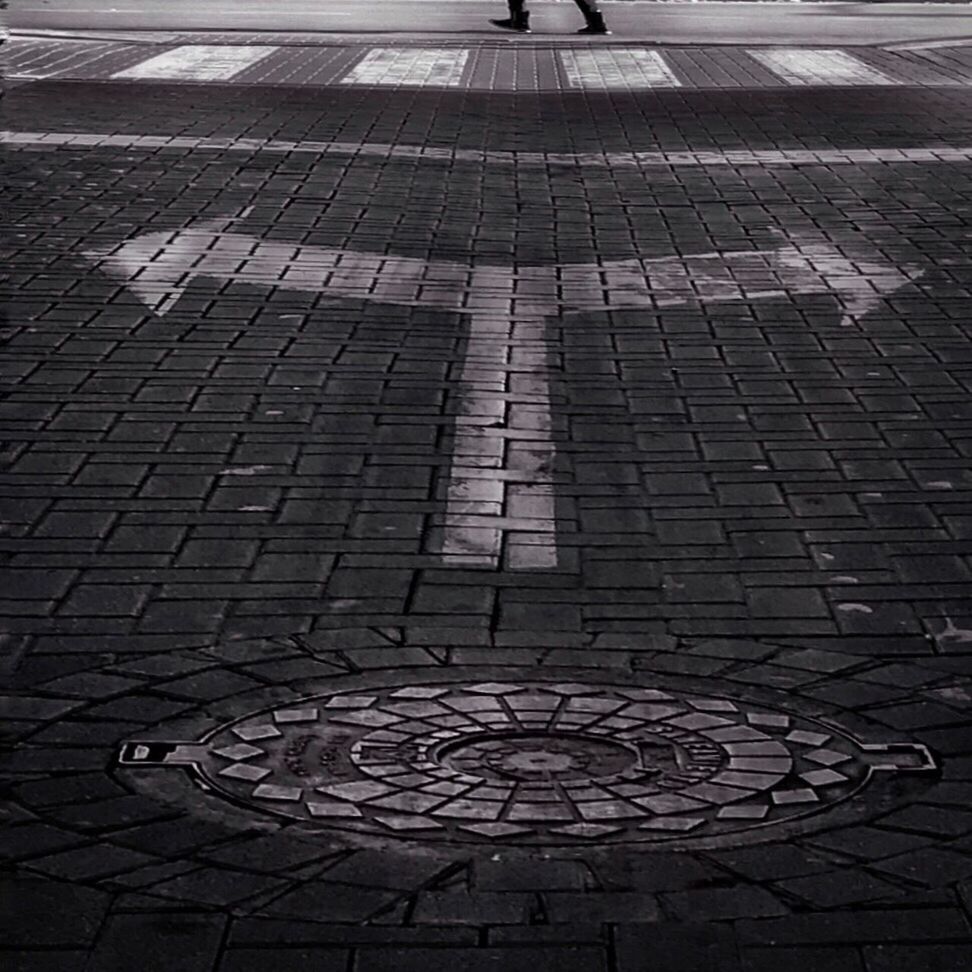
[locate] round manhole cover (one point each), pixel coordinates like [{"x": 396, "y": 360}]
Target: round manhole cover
[{"x": 532, "y": 761}]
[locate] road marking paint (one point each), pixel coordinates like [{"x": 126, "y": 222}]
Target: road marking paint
[
  {"x": 47, "y": 60},
  {"x": 734, "y": 157},
  {"x": 600, "y": 68},
  {"x": 418, "y": 66},
  {"x": 197, "y": 62},
  {"x": 474, "y": 530},
  {"x": 617, "y": 68},
  {"x": 508, "y": 309},
  {"x": 820, "y": 66}
]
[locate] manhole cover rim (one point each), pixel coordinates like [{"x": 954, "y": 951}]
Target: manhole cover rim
[{"x": 453, "y": 678}]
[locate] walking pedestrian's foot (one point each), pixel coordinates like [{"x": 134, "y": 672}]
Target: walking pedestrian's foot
[
  {"x": 595, "y": 25},
  {"x": 520, "y": 24}
]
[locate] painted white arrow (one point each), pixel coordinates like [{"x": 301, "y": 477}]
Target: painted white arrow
[
  {"x": 508, "y": 308},
  {"x": 160, "y": 266}
]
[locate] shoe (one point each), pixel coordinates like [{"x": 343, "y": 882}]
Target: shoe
[
  {"x": 517, "y": 22},
  {"x": 595, "y": 25}
]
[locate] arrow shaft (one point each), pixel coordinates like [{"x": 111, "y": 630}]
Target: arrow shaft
[{"x": 501, "y": 487}]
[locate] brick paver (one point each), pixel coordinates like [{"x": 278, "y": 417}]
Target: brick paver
[
  {"x": 239, "y": 496},
  {"x": 618, "y": 66}
]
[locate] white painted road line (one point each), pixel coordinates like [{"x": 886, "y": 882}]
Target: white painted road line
[
  {"x": 197, "y": 62},
  {"x": 474, "y": 521},
  {"x": 820, "y": 67},
  {"x": 508, "y": 308},
  {"x": 944, "y": 154},
  {"x": 617, "y": 68},
  {"x": 48, "y": 60},
  {"x": 413, "y": 66}
]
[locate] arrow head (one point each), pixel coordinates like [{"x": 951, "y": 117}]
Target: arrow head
[{"x": 156, "y": 266}]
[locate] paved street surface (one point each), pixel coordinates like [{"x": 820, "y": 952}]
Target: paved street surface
[
  {"x": 662, "y": 22},
  {"x": 480, "y": 506}
]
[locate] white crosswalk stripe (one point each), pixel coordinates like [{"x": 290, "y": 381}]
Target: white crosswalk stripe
[
  {"x": 419, "y": 66},
  {"x": 820, "y": 67},
  {"x": 197, "y": 62},
  {"x": 42, "y": 59},
  {"x": 617, "y": 68}
]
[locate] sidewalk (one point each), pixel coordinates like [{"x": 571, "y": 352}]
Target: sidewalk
[{"x": 498, "y": 526}]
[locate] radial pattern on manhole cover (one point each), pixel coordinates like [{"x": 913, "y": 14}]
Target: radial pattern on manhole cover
[{"x": 531, "y": 761}]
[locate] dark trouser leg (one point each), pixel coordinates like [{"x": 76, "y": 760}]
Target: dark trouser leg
[
  {"x": 519, "y": 19},
  {"x": 587, "y": 7},
  {"x": 593, "y": 17}
]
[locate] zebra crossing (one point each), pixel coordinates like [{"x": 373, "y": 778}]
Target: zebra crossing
[
  {"x": 409, "y": 66},
  {"x": 486, "y": 68},
  {"x": 197, "y": 62},
  {"x": 618, "y": 68},
  {"x": 820, "y": 67}
]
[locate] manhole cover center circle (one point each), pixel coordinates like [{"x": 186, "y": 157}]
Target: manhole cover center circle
[{"x": 539, "y": 756}]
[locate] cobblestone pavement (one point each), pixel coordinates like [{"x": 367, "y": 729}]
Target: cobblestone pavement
[
  {"x": 501, "y": 529},
  {"x": 290, "y": 60}
]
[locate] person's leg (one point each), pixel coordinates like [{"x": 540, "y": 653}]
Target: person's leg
[
  {"x": 593, "y": 16},
  {"x": 519, "y": 18}
]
